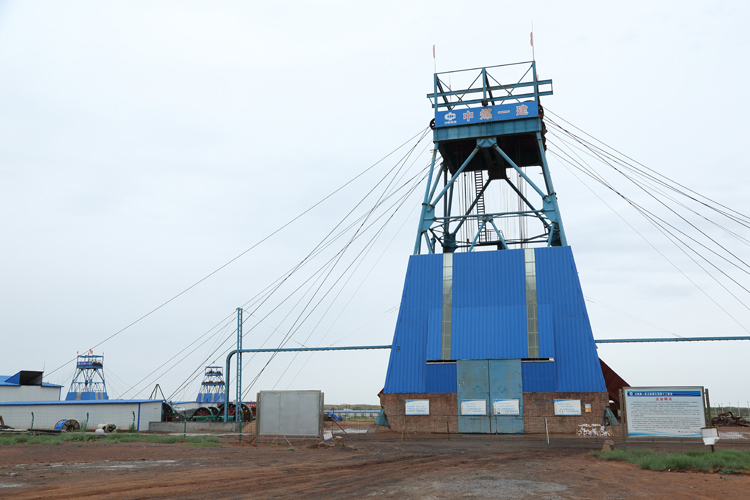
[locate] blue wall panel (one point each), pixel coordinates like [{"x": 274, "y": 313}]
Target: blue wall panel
[
  {"x": 489, "y": 333},
  {"x": 577, "y": 361},
  {"x": 539, "y": 377},
  {"x": 434, "y": 334},
  {"x": 440, "y": 377},
  {"x": 423, "y": 290},
  {"x": 489, "y": 305},
  {"x": 546, "y": 330},
  {"x": 489, "y": 322}
]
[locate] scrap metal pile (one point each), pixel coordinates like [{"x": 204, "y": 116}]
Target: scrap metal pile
[{"x": 729, "y": 420}]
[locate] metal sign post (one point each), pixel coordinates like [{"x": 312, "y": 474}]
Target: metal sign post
[{"x": 623, "y": 421}]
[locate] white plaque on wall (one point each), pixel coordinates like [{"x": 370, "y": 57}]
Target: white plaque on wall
[
  {"x": 567, "y": 407},
  {"x": 473, "y": 407},
  {"x": 506, "y": 407},
  {"x": 417, "y": 407}
]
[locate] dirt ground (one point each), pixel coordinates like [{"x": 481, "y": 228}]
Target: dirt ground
[{"x": 369, "y": 465}]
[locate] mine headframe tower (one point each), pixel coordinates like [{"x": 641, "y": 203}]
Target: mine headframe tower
[
  {"x": 489, "y": 129},
  {"x": 213, "y": 385},
  {"x": 88, "y": 382},
  {"x": 479, "y": 329}
]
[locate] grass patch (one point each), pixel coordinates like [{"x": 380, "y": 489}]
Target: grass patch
[
  {"x": 15, "y": 439},
  {"x": 735, "y": 461}
]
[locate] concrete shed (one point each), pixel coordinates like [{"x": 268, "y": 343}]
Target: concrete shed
[{"x": 121, "y": 412}]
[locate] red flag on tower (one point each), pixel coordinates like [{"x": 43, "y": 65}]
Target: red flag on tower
[{"x": 531, "y": 38}]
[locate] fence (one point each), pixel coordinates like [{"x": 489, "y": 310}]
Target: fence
[
  {"x": 737, "y": 411},
  {"x": 443, "y": 426},
  {"x": 447, "y": 426}
]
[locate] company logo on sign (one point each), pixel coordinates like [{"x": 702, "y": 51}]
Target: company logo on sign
[{"x": 448, "y": 117}]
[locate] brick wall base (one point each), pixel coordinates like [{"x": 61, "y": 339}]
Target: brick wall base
[
  {"x": 443, "y": 415},
  {"x": 540, "y": 405}
]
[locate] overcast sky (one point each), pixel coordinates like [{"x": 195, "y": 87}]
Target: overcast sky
[{"x": 145, "y": 144}]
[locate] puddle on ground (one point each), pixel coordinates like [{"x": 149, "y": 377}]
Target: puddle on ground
[
  {"x": 106, "y": 464},
  {"x": 350, "y": 431}
]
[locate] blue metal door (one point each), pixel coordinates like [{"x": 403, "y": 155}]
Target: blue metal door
[
  {"x": 473, "y": 389},
  {"x": 481, "y": 383},
  {"x": 506, "y": 387}
]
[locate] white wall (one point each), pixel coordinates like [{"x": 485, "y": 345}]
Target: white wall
[
  {"x": 29, "y": 393},
  {"x": 191, "y": 405},
  {"x": 47, "y": 416}
]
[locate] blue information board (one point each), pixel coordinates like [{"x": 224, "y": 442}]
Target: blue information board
[
  {"x": 465, "y": 116},
  {"x": 664, "y": 411}
]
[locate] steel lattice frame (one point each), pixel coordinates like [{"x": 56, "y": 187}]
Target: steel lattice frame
[{"x": 442, "y": 228}]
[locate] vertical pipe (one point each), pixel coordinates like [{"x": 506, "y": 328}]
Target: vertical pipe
[
  {"x": 226, "y": 386},
  {"x": 257, "y": 419},
  {"x": 238, "y": 408},
  {"x": 622, "y": 420}
]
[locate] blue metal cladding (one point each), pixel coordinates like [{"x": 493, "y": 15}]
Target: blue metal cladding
[
  {"x": 539, "y": 376},
  {"x": 210, "y": 397},
  {"x": 489, "y": 322},
  {"x": 423, "y": 291},
  {"x": 15, "y": 381},
  {"x": 489, "y": 306},
  {"x": 440, "y": 378},
  {"x": 546, "y": 329},
  {"x": 434, "y": 334},
  {"x": 576, "y": 358},
  {"x": 86, "y": 396}
]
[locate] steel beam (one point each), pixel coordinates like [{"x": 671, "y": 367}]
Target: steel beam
[
  {"x": 669, "y": 339},
  {"x": 452, "y": 105}
]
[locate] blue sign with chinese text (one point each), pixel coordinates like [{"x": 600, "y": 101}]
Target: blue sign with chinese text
[
  {"x": 465, "y": 116},
  {"x": 648, "y": 394}
]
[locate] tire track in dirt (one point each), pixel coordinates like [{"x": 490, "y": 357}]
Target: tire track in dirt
[
  {"x": 388, "y": 467},
  {"x": 323, "y": 478}
]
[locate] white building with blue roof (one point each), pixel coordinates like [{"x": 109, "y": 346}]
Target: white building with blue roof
[{"x": 27, "y": 386}]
